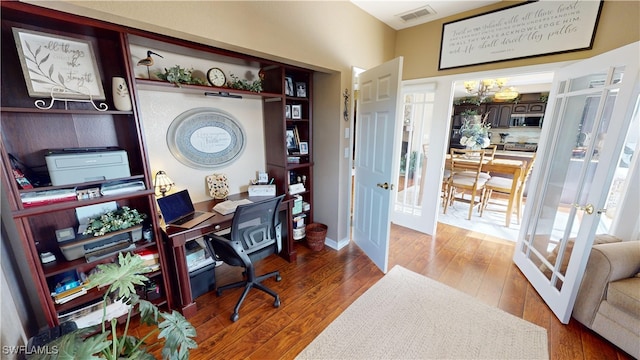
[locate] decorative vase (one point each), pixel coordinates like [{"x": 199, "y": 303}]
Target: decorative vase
[
  {"x": 121, "y": 99},
  {"x": 218, "y": 185}
]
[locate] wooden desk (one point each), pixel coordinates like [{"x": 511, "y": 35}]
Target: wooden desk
[
  {"x": 514, "y": 168},
  {"x": 178, "y": 237}
]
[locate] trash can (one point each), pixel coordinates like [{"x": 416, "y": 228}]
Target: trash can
[{"x": 316, "y": 234}]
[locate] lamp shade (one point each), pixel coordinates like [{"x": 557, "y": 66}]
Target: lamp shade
[{"x": 162, "y": 182}]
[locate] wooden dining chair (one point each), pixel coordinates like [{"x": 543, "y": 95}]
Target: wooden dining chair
[
  {"x": 502, "y": 185},
  {"x": 489, "y": 155},
  {"x": 462, "y": 163}
]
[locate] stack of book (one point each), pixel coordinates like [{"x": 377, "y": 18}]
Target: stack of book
[
  {"x": 151, "y": 259},
  {"x": 68, "y": 295},
  {"x": 68, "y": 287}
]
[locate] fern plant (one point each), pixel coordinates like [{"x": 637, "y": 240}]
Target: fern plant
[{"x": 173, "y": 331}]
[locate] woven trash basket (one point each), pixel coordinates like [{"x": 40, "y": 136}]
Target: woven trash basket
[{"x": 316, "y": 233}]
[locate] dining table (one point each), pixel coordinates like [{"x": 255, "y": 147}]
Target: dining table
[{"x": 511, "y": 167}]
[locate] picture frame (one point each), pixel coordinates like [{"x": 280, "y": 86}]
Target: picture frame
[
  {"x": 304, "y": 148},
  {"x": 55, "y": 64},
  {"x": 293, "y": 139},
  {"x": 287, "y": 111},
  {"x": 498, "y": 35},
  {"x": 296, "y": 111},
  {"x": 301, "y": 89},
  {"x": 288, "y": 86}
]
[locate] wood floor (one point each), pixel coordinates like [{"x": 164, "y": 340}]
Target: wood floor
[{"x": 317, "y": 288}]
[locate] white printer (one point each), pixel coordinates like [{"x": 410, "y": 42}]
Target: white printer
[{"x": 76, "y": 165}]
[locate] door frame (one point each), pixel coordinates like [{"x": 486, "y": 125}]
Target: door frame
[{"x": 440, "y": 130}]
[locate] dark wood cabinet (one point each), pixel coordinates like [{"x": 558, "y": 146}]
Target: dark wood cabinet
[
  {"x": 523, "y": 108},
  {"x": 28, "y": 133},
  {"x": 498, "y": 115}
]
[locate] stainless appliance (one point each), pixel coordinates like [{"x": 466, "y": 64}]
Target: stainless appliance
[{"x": 526, "y": 119}]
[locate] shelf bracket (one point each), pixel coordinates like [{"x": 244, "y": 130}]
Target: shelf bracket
[{"x": 56, "y": 91}]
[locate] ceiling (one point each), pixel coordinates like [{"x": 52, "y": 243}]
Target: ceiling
[{"x": 392, "y": 13}]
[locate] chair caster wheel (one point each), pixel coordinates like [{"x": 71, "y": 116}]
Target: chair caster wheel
[
  {"x": 278, "y": 278},
  {"x": 218, "y": 292},
  {"x": 276, "y": 303},
  {"x": 235, "y": 317}
]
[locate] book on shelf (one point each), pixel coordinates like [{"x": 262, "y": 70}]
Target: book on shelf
[
  {"x": 69, "y": 295},
  {"x": 151, "y": 259}
]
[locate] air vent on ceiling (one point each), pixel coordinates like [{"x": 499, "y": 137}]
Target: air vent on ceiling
[{"x": 416, "y": 13}]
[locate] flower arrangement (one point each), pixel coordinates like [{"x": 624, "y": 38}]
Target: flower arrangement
[
  {"x": 120, "y": 219},
  {"x": 475, "y": 135}
]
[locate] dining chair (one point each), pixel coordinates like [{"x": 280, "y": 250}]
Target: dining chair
[
  {"x": 463, "y": 163},
  {"x": 489, "y": 155},
  {"x": 502, "y": 185}
]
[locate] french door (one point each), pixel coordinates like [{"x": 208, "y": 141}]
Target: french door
[
  {"x": 587, "y": 122},
  {"x": 417, "y": 117}
]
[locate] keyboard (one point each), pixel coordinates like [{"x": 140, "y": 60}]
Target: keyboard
[{"x": 187, "y": 218}]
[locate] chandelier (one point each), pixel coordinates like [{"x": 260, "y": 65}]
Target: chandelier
[{"x": 486, "y": 87}]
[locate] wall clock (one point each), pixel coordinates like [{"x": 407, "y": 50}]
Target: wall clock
[
  {"x": 206, "y": 138},
  {"x": 216, "y": 77}
]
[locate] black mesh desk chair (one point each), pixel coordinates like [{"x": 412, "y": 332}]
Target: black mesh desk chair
[{"x": 255, "y": 234}]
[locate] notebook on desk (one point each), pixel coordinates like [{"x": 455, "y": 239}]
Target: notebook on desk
[{"x": 177, "y": 210}]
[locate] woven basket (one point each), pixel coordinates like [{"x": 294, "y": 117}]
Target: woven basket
[{"x": 316, "y": 234}]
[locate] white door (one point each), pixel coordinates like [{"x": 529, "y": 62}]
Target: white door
[
  {"x": 418, "y": 101},
  {"x": 377, "y": 124},
  {"x": 591, "y": 105}
]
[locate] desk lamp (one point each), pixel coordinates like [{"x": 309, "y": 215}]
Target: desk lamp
[{"x": 162, "y": 183}]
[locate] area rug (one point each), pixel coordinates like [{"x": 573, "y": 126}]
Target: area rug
[{"x": 408, "y": 316}]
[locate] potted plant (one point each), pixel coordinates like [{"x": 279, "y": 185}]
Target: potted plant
[
  {"x": 109, "y": 341},
  {"x": 178, "y": 75},
  {"x": 120, "y": 219}
]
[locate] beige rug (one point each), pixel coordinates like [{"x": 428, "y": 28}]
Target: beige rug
[{"x": 408, "y": 316}]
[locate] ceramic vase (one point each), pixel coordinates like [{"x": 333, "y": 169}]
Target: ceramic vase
[{"x": 121, "y": 98}]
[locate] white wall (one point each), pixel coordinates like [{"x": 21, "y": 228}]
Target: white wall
[{"x": 159, "y": 109}]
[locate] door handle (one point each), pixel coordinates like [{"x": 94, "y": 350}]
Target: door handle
[
  {"x": 385, "y": 186},
  {"x": 589, "y": 209}
]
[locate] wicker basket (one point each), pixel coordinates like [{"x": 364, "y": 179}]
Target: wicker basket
[{"x": 316, "y": 234}]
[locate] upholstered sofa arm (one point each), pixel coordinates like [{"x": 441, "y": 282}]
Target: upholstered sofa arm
[{"x": 607, "y": 263}]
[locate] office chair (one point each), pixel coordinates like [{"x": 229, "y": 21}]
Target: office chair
[{"x": 255, "y": 234}]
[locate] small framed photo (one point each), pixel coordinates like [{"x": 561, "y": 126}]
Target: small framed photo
[
  {"x": 293, "y": 139},
  {"x": 301, "y": 89},
  {"x": 304, "y": 148},
  {"x": 287, "y": 111},
  {"x": 296, "y": 111},
  {"x": 288, "y": 86}
]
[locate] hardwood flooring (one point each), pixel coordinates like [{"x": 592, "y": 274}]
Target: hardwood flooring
[{"x": 316, "y": 289}]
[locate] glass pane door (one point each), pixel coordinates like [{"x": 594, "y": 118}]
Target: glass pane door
[
  {"x": 418, "y": 109},
  {"x": 582, "y": 143}
]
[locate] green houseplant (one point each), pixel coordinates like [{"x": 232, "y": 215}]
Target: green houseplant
[
  {"x": 178, "y": 75},
  {"x": 109, "y": 341},
  {"x": 120, "y": 219}
]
